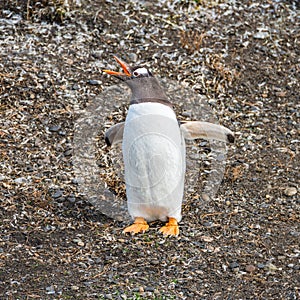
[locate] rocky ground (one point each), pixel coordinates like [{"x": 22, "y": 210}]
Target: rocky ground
[{"x": 242, "y": 56}]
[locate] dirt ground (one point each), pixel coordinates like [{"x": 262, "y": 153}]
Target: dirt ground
[{"x": 243, "y": 57}]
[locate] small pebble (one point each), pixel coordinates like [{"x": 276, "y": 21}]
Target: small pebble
[
  {"x": 71, "y": 199},
  {"x": 133, "y": 57},
  {"x": 68, "y": 152},
  {"x": 208, "y": 224},
  {"x": 250, "y": 268},
  {"x": 62, "y": 133},
  {"x": 290, "y": 191},
  {"x": 48, "y": 228},
  {"x": 41, "y": 75},
  {"x": 234, "y": 266},
  {"x": 260, "y": 266},
  {"x": 20, "y": 180},
  {"x": 207, "y": 239},
  {"x": 187, "y": 114},
  {"x": 202, "y": 144},
  {"x": 50, "y": 290},
  {"x": 261, "y": 35},
  {"x": 55, "y": 128},
  {"x": 79, "y": 242},
  {"x": 57, "y": 194},
  {"x": 205, "y": 197},
  {"x": 94, "y": 82}
]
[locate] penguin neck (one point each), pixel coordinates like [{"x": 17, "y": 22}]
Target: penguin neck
[{"x": 147, "y": 89}]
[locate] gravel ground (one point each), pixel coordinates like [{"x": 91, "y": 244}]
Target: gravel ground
[{"x": 243, "y": 57}]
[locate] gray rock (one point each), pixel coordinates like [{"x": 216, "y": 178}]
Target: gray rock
[
  {"x": 234, "y": 266},
  {"x": 260, "y": 266},
  {"x": 55, "y": 128},
  {"x": 20, "y": 180},
  {"x": 57, "y": 194},
  {"x": 50, "y": 290},
  {"x": 94, "y": 82}
]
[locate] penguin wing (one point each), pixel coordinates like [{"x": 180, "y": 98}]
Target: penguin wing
[
  {"x": 114, "y": 135},
  {"x": 195, "y": 130}
]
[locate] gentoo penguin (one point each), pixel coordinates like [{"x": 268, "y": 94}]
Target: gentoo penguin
[{"x": 153, "y": 147}]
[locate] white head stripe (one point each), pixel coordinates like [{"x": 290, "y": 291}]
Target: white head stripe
[{"x": 141, "y": 71}]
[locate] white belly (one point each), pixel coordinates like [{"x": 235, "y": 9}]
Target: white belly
[{"x": 154, "y": 158}]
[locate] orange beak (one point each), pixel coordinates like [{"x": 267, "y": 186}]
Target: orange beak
[{"x": 124, "y": 66}]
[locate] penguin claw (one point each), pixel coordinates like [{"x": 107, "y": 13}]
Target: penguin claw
[
  {"x": 171, "y": 228},
  {"x": 139, "y": 225}
]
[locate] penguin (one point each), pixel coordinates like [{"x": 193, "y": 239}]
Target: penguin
[{"x": 153, "y": 148}]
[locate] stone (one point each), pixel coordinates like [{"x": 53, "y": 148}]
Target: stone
[
  {"x": 50, "y": 290},
  {"x": 57, "y": 194},
  {"x": 290, "y": 191},
  {"x": 261, "y": 35},
  {"x": 54, "y": 128},
  {"x": 94, "y": 82},
  {"x": 250, "y": 268},
  {"x": 20, "y": 180},
  {"x": 234, "y": 266},
  {"x": 207, "y": 239}
]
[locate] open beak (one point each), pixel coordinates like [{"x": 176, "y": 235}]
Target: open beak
[{"x": 124, "y": 66}]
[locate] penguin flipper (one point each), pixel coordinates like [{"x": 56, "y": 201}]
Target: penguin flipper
[
  {"x": 114, "y": 135},
  {"x": 196, "y": 129}
]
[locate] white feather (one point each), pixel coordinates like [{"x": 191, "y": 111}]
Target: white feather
[
  {"x": 154, "y": 158},
  {"x": 140, "y": 71}
]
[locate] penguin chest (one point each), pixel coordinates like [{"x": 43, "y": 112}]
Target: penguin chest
[{"x": 154, "y": 159}]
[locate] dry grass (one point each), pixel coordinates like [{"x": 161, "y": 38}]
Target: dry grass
[{"x": 192, "y": 40}]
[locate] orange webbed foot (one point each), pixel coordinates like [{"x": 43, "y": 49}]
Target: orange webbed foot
[
  {"x": 171, "y": 228},
  {"x": 139, "y": 225}
]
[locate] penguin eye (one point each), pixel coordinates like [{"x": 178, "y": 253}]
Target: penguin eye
[
  {"x": 140, "y": 72},
  {"x": 136, "y": 73}
]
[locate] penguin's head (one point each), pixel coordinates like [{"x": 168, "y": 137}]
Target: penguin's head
[
  {"x": 140, "y": 80},
  {"x": 129, "y": 73}
]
